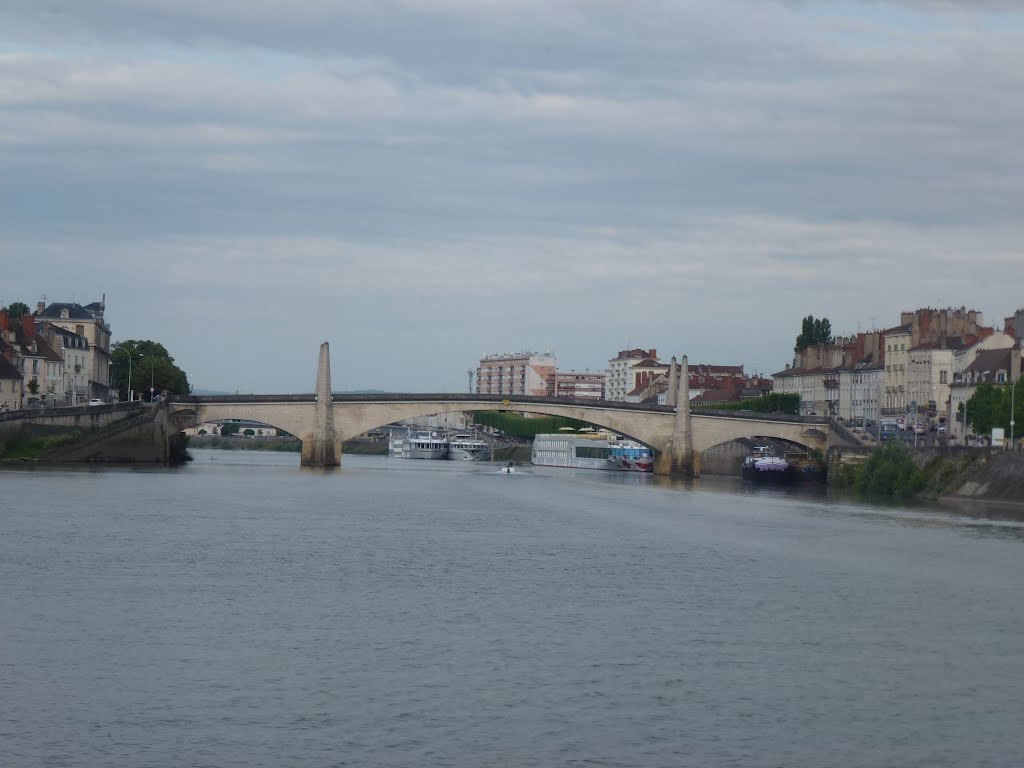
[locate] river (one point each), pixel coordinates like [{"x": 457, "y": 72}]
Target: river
[{"x": 241, "y": 611}]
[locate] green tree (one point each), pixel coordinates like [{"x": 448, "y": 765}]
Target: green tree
[
  {"x": 33, "y": 386},
  {"x": 151, "y": 366},
  {"x": 515, "y": 425},
  {"x": 814, "y": 331},
  {"x": 773, "y": 403},
  {"x": 18, "y": 309},
  {"x": 986, "y": 409},
  {"x": 890, "y": 472},
  {"x": 228, "y": 428}
]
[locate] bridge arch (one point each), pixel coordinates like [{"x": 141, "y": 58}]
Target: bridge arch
[
  {"x": 352, "y": 415},
  {"x": 352, "y": 428}
]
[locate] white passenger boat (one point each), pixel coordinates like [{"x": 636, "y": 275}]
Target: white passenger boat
[
  {"x": 631, "y": 456},
  {"x": 425, "y": 444},
  {"x": 468, "y": 448},
  {"x": 576, "y": 451}
]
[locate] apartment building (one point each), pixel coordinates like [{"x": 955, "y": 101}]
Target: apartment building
[
  {"x": 621, "y": 378},
  {"x": 520, "y": 373}
]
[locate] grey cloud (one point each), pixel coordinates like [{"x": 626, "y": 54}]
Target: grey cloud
[{"x": 344, "y": 158}]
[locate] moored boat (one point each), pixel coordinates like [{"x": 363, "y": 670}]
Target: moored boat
[
  {"x": 468, "y": 448},
  {"x": 631, "y": 456},
  {"x": 762, "y": 465},
  {"x": 592, "y": 450},
  {"x": 805, "y": 468},
  {"x": 425, "y": 444}
]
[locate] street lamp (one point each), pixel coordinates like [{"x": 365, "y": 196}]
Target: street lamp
[
  {"x": 152, "y": 364},
  {"x": 1013, "y": 391},
  {"x": 125, "y": 350}
]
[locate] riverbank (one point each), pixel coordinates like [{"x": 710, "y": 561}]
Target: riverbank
[
  {"x": 286, "y": 445},
  {"x": 972, "y": 474}
]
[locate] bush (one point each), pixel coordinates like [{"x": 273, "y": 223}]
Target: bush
[{"x": 890, "y": 472}]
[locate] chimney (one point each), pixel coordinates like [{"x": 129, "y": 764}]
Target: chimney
[
  {"x": 29, "y": 324},
  {"x": 40, "y": 306}
]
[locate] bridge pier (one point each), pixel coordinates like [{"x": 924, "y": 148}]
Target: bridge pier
[
  {"x": 678, "y": 458},
  {"x": 321, "y": 447}
]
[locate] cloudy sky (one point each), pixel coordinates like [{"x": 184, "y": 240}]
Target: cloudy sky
[{"x": 421, "y": 182}]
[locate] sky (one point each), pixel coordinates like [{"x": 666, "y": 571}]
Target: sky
[{"x": 424, "y": 182}]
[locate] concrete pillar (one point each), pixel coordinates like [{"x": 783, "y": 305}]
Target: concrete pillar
[
  {"x": 678, "y": 457},
  {"x": 321, "y": 448},
  {"x": 670, "y": 393}
]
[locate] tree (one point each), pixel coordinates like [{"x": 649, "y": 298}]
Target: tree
[
  {"x": 18, "y": 309},
  {"x": 770, "y": 403},
  {"x": 990, "y": 407},
  {"x": 890, "y": 472},
  {"x": 33, "y": 386},
  {"x": 151, "y": 366},
  {"x": 986, "y": 409},
  {"x": 814, "y": 331}
]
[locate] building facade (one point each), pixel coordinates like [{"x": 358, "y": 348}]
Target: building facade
[
  {"x": 523, "y": 373},
  {"x": 898, "y": 342},
  {"x": 88, "y": 322},
  {"x": 580, "y": 386},
  {"x": 620, "y": 379}
]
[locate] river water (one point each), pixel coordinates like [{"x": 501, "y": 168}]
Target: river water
[{"x": 241, "y": 611}]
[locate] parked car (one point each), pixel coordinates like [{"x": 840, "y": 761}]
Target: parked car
[
  {"x": 941, "y": 429},
  {"x": 96, "y": 401},
  {"x": 919, "y": 429}
]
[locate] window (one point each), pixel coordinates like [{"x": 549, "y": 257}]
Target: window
[{"x": 942, "y": 377}]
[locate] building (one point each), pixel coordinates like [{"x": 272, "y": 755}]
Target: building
[
  {"x": 580, "y": 386},
  {"x": 620, "y": 377},
  {"x": 522, "y": 373},
  {"x": 866, "y": 386},
  {"x": 990, "y": 366},
  {"x": 88, "y": 322},
  {"x": 74, "y": 351},
  {"x": 898, "y": 342},
  {"x": 41, "y": 367},
  {"x": 12, "y": 389}
]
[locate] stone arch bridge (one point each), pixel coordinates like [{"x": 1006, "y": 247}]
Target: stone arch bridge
[{"x": 323, "y": 421}]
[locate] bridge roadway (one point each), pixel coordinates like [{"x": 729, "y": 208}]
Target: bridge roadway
[{"x": 350, "y": 415}]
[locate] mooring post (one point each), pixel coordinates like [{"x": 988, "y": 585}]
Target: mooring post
[{"x": 321, "y": 447}]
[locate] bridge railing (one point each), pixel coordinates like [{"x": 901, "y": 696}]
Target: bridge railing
[{"x": 514, "y": 402}]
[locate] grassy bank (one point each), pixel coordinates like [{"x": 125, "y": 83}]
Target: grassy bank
[{"x": 20, "y": 449}]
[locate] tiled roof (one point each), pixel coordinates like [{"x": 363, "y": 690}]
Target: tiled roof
[
  {"x": 75, "y": 312},
  {"x": 7, "y": 369},
  {"x": 991, "y": 360},
  {"x": 715, "y": 396}
]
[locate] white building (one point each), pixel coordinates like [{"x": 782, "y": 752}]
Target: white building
[
  {"x": 88, "y": 322},
  {"x": 620, "y": 379}
]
